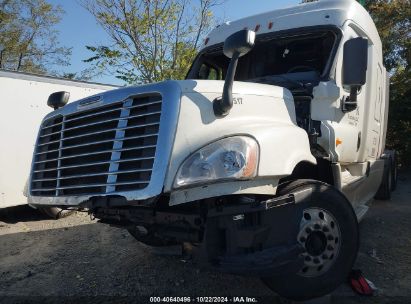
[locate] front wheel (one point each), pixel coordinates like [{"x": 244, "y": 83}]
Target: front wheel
[{"x": 329, "y": 234}]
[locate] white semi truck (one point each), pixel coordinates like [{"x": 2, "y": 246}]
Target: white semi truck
[
  {"x": 24, "y": 94},
  {"x": 263, "y": 159}
]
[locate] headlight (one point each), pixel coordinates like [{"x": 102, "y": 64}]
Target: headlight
[{"x": 229, "y": 158}]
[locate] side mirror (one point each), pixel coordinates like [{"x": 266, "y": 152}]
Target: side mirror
[
  {"x": 58, "y": 99},
  {"x": 239, "y": 43},
  {"x": 235, "y": 46},
  {"x": 355, "y": 63}
]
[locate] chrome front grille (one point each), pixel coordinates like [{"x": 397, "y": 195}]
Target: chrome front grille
[{"x": 98, "y": 151}]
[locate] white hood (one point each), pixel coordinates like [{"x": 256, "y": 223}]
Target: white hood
[{"x": 241, "y": 88}]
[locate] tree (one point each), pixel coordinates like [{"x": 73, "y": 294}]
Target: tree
[
  {"x": 393, "y": 20},
  {"x": 85, "y": 75},
  {"x": 28, "y": 39},
  {"x": 151, "y": 40}
]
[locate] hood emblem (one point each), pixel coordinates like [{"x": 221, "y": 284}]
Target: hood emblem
[{"x": 90, "y": 101}]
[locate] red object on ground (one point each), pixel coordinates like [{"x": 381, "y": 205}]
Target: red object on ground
[{"x": 359, "y": 284}]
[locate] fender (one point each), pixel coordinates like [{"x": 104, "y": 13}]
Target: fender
[
  {"x": 269, "y": 118},
  {"x": 282, "y": 147}
]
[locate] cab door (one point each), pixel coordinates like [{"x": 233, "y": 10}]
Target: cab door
[
  {"x": 351, "y": 127},
  {"x": 377, "y": 107}
]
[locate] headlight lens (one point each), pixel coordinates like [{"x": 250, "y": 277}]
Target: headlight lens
[{"x": 229, "y": 158}]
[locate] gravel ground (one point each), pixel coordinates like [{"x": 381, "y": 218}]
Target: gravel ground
[{"x": 75, "y": 257}]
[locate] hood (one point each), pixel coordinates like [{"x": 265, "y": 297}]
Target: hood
[
  {"x": 240, "y": 88},
  {"x": 208, "y": 87}
]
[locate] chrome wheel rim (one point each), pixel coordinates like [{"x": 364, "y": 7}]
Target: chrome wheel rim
[{"x": 321, "y": 237}]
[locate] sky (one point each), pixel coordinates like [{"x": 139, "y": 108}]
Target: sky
[{"x": 78, "y": 28}]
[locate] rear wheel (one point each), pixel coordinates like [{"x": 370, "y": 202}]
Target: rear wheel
[{"x": 329, "y": 234}]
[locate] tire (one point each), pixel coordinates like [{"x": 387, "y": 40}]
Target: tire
[
  {"x": 56, "y": 213},
  {"x": 314, "y": 281},
  {"x": 384, "y": 192}
]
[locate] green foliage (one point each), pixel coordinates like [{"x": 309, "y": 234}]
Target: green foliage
[
  {"x": 393, "y": 20},
  {"x": 28, "y": 40},
  {"x": 150, "y": 40},
  {"x": 85, "y": 75}
]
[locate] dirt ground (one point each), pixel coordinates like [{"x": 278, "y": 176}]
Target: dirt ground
[{"x": 75, "y": 258}]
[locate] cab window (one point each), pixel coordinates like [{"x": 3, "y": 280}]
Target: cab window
[{"x": 208, "y": 72}]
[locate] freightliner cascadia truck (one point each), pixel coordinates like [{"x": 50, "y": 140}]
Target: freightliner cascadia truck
[{"x": 262, "y": 160}]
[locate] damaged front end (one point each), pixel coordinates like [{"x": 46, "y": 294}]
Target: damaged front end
[{"x": 246, "y": 235}]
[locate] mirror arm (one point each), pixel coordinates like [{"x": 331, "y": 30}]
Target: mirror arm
[
  {"x": 222, "y": 106},
  {"x": 349, "y": 103},
  {"x": 353, "y": 93}
]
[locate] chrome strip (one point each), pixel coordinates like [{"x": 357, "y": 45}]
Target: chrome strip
[
  {"x": 118, "y": 145},
  {"x": 59, "y": 155}
]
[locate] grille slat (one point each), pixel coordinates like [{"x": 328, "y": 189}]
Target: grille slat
[
  {"x": 51, "y": 126},
  {"x": 132, "y": 137},
  {"x": 95, "y": 163},
  {"x": 98, "y": 142},
  {"x": 102, "y": 122},
  {"x": 99, "y": 132},
  {"x": 91, "y": 175},
  {"x": 108, "y": 111},
  {"x": 92, "y": 186},
  {"x": 97, "y": 151}
]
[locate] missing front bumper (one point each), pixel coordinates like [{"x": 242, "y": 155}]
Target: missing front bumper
[{"x": 257, "y": 238}]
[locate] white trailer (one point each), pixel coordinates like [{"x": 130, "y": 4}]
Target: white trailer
[
  {"x": 23, "y": 104},
  {"x": 264, "y": 158}
]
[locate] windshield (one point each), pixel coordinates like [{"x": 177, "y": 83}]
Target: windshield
[{"x": 276, "y": 60}]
